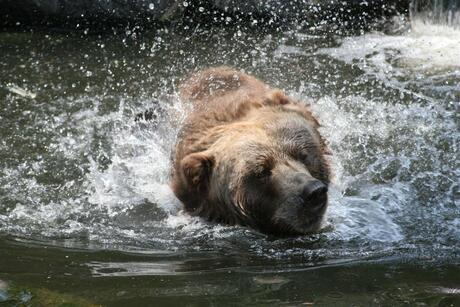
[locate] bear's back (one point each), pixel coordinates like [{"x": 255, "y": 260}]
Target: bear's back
[
  {"x": 222, "y": 96},
  {"x": 220, "y": 83}
]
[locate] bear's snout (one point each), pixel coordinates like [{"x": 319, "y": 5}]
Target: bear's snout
[
  {"x": 303, "y": 204},
  {"x": 314, "y": 194}
]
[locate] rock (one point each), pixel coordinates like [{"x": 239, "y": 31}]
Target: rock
[
  {"x": 59, "y": 11},
  {"x": 62, "y": 12}
]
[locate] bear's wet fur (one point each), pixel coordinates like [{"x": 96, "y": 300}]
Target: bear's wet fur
[{"x": 248, "y": 154}]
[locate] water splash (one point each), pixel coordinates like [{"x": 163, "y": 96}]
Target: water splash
[
  {"x": 410, "y": 149},
  {"x": 427, "y": 48},
  {"x": 101, "y": 179}
]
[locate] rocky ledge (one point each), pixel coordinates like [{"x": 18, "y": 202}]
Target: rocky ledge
[{"x": 71, "y": 12}]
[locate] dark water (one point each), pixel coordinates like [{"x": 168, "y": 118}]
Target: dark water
[{"x": 86, "y": 213}]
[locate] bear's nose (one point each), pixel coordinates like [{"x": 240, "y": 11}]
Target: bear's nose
[{"x": 315, "y": 194}]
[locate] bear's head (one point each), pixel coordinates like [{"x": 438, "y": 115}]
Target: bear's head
[{"x": 268, "y": 172}]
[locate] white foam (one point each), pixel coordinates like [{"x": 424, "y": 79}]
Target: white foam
[
  {"x": 184, "y": 221},
  {"x": 426, "y": 48}
]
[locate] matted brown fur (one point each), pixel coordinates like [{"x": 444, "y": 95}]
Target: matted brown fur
[{"x": 237, "y": 146}]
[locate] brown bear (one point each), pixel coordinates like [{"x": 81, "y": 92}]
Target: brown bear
[{"x": 247, "y": 154}]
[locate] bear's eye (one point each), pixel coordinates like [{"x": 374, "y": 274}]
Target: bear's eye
[
  {"x": 302, "y": 156},
  {"x": 263, "y": 172},
  {"x": 262, "y": 168}
]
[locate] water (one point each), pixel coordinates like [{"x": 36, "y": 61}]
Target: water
[
  {"x": 439, "y": 12},
  {"x": 85, "y": 207}
]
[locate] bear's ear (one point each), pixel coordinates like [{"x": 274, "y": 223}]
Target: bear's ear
[
  {"x": 197, "y": 169},
  {"x": 277, "y": 97}
]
